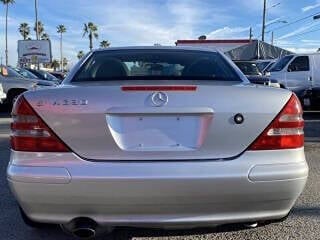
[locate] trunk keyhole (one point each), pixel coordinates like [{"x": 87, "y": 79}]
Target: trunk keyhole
[{"x": 238, "y": 118}]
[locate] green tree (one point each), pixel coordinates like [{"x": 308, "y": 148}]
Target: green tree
[
  {"x": 61, "y": 29},
  {"x": 6, "y": 3},
  {"x": 64, "y": 63},
  {"x": 24, "y": 30},
  {"x": 80, "y": 54},
  {"x": 104, "y": 44},
  {"x": 45, "y": 36},
  {"x": 91, "y": 30},
  {"x": 40, "y": 30},
  {"x": 55, "y": 64}
]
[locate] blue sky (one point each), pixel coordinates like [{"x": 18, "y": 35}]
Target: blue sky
[{"x": 145, "y": 22}]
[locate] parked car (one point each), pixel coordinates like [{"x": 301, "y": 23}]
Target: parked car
[
  {"x": 25, "y": 73},
  {"x": 14, "y": 84},
  {"x": 266, "y": 71},
  {"x": 44, "y": 75},
  {"x": 263, "y": 65},
  {"x": 299, "y": 73},
  {"x": 156, "y": 136},
  {"x": 59, "y": 75},
  {"x": 252, "y": 72}
]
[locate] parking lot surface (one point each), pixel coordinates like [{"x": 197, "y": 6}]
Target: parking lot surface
[{"x": 303, "y": 222}]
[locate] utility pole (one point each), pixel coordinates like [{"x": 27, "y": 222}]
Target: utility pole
[
  {"x": 264, "y": 19},
  {"x": 250, "y": 34},
  {"x": 272, "y": 38}
]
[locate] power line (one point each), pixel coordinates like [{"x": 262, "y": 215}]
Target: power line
[
  {"x": 296, "y": 21},
  {"x": 303, "y": 33}
]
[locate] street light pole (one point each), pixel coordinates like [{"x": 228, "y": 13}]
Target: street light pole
[
  {"x": 36, "y": 10},
  {"x": 264, "y": 19}
]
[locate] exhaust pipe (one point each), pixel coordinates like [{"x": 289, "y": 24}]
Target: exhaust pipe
[
  {"x": 82, "y": 227},
  {"x": 251, "y": 225}
]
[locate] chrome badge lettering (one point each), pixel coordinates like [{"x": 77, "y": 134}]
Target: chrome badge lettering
[{"x": 70, "y": 102}]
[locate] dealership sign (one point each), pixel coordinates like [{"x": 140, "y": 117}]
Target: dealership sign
[{"x": 34, "y": 51}]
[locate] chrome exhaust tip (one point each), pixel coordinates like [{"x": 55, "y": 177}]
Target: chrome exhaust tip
[
  {"x": 82, "y": 227},
  {"x": 251, "y": 225}
]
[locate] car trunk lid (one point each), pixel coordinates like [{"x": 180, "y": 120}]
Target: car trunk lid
[{"x": 106, "y": 121}]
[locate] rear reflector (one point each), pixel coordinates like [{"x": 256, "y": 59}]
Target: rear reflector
[
  {"x": 159, "y": 88},
  {"x": 285, "y": 131},
  {"x": 30, "y": 133}
]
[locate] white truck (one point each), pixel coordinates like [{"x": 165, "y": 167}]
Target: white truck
[{"x": 301, "y": 74}]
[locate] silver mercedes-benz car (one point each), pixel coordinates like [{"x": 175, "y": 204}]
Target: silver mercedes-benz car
[{"x": 156, "y": 137}]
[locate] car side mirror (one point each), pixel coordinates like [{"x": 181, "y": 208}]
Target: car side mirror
[{"x": 290, "y": 69}]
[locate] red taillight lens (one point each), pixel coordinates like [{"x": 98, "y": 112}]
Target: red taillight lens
[
  {"x": 285, "y": 131},
  {"x": 30, "y": 133}
]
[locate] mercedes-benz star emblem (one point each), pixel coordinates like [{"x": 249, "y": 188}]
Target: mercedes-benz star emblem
[{"x": 159, "y": 99}]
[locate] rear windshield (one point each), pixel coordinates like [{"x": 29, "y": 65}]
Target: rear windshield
[
  {"x": 25, "y": 73},
  {"x": 281, "y": 63},
  {"x": 156, "y": 64},
  {"x": 262, "y": 65},
  {"x": 248, "y": 68}
]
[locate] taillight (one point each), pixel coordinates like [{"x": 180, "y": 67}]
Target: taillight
[
  {"x": 285, "y": 131},
  {"x": 30, "y": 133}
]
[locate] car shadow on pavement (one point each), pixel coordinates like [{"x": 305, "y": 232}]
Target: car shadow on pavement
[
  {"x": 126, "y": 233},
  {"x": 307, "y": 211}
]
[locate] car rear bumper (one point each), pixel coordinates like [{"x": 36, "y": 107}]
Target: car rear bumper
[{"x": 57, "y": 188}]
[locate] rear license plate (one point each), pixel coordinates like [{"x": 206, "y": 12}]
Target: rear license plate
[{"x": 156, "y": 132}]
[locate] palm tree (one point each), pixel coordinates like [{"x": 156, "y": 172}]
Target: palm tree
[
  {"x": 104, "y": 44},
  {"x": 55, "y": 64},
  {"x": 91, "y": 29},
  {"x": 61, "y": 29},
  {"x": 45, "y": 36},
  {"x": 64, "y": 63},
  {"x": 80, "y": 54},
  {"x": 24, "y": 30},
  {"x": 7, "y": 2},
  {"x": 40, "y": 30}
]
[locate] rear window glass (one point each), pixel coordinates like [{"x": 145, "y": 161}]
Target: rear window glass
[
  {"x": 262, "y": 65},
  {"x": 281, "y": 63},
  {"x": 156, "y": 64},
  {"x": 248, "y": 68}
]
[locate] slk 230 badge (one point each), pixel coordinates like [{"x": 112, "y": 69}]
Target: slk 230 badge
[{"x": 65, "y": 102}]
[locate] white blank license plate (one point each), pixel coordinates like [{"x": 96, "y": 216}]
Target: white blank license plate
[{"x": 158, "y": 132}]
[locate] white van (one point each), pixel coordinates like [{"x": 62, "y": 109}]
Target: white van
[{"x": 300, "y": 73}]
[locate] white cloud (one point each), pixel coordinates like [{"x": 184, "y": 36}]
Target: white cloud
[
  {"x": 228, "y": 32},
  {"x": 144, "y": 22},
  {"x": 302, "y": 50},
  {"x": 310, "y": 7}
]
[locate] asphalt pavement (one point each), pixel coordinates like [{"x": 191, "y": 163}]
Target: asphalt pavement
[{"x": 303, "y": 223}]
